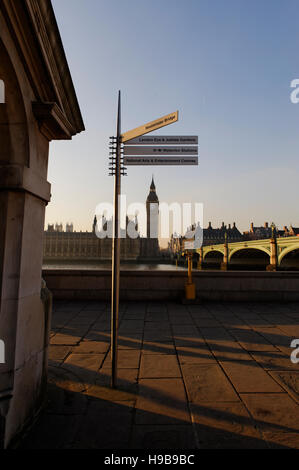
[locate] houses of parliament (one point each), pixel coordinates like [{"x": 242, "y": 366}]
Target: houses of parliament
[{"x": 68, "y": 245}]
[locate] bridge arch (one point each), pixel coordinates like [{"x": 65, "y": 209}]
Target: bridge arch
[
  {"x": 286, "y": 251},
  {"x": 214, "y": 250},
  {"x": 249, "y": 258},
  {"x": 245, "y": 248},
  {"x": 213, "y": 259}
]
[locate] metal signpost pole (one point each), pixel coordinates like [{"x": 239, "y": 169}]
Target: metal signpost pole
[
  {"x": 156, "y": 156},
  {"x": 116, "y": 251}
]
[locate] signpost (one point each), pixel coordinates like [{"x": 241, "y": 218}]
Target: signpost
[
  {"x": 132, "y": 161},
  {"x": 139, "y": 150},
  {"x": 150, "y": 127},
  {"x": 117, "y": 169},
  {"x": 164, "y": 140},
  {"x": 161, "y": 151}
]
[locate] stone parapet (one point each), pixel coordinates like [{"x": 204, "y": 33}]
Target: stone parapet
[{"x": 169, "y": 285}]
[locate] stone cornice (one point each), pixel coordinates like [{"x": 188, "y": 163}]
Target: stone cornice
[
  {"x": 52, "y": 121},
  {"x": 21, "y": 178},
  {"x": 35, "y": 32}
]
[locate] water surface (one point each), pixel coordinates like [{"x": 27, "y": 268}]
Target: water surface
[{"x": 107, "y": 266}]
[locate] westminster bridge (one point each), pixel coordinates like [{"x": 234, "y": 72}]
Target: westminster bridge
[{"x": 271, "y": 254}]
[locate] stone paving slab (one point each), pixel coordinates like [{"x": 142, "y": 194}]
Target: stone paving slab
[
  {"x": 162, "y": 402},
  {"x": 92, "y": 347},
  {"x": 156, "y": 335},
  {"x": 130, "y": 340},
  {"x": 134, "y": 316},
  {"x": 158, "y": 347},
  {"x": 59, "y": 353},
  {"x": 199, "y": 355},
  {"x": 84, "y": 366},
  {"x": 254, "y": 319},
  {"x": 160, "y": 326},
  {"x": 206, "y": 376},
  {"x": 208, "y": 383},
  {"x": 275, "y": 361},
  {"x": 106, "y": 426},
  {"x": 277, "y": 320},
  {"x": 53, "y": 431},
  {"x": 127, "y": 359},
  {"x": 281, "y": 440},
  {"x": 163, "y": 437},
  {"x": 248, "y": 377},
  {"x": 291, "y": 331},
  {"x": 225, "y": 426},
  {"x": 98, "y": 335},
  {"x": 212, "y": 334},
  {"x": 207, "y": 323},
  {"x": 156, "y": 307},
  {"x": 251, "y": 340},
  {"x": 289, "y": 381},
  {"x": 199, "y": 312},
  {"x": 185, "y": 330},
  {"x": 59, "y": 322},
  {"x": 228, "y": 351},
  {"x": 274, "y": 335},
  {"x": 191, "y": 342},
  {"x": 75, "y": 331},
  {"x": 86, "y": 362},
  {"x": 275, "y": 412},
  {"x": 157, "y": 317},
  {"x": 127, "y": 388},
  {"x": 65, "y": 402},
  {"x": 65, "y": 339},
  {"x": 65, "y": 379},
  {"x": 181, "y": 319},
  {"x": 159, "y": 366},
  {"x": 131, "y": 326}
]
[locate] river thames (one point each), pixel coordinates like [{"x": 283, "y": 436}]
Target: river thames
[{"x": 107, "y": 266}]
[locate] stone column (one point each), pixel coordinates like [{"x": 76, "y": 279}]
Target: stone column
[
  {"x": 24, "y": 193},
  {"x": 224, "y": 264},
  {"x": 39, "y": 105},
  {"x": 200, "y": 261},
  {"x": 273, "y": 256},
  {"x": 273, "y": 252}
]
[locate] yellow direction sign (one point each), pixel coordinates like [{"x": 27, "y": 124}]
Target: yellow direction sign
[{"x": 151, "y": 126}]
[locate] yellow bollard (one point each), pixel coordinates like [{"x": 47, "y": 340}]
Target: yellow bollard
[{"x": 190, "y": 290}]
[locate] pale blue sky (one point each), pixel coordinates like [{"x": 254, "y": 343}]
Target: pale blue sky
[{"x": 225, "y": 65}]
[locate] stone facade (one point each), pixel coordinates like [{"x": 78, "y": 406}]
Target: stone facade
[
  {"x": 38, "y": 104},
  {"x": 260, "y": 233},
  {"x": 68, "y": 245},
  {"x": 85, "y": 246},
  {"x": 211, "y": 236}
]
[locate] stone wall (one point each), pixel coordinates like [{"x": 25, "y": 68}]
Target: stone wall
[
  {"x": 169, "y": 285},
  {"x": 37, "y": 104}
]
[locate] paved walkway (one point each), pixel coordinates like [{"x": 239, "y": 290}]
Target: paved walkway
[{"x": 213, "y": 375}]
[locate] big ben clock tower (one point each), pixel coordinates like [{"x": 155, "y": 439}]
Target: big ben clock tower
[{"x": 152, "y": 212}]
